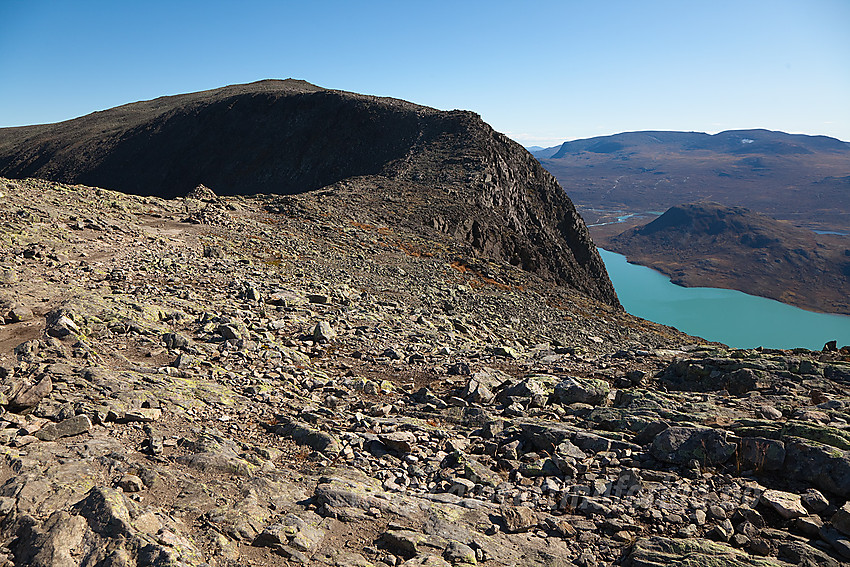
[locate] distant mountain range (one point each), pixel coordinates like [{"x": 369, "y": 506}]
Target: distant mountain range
[
  {"x": 707, "y": 244},
  {"x": 734, "y": 142},
  {"x": 804, "y": 179}
]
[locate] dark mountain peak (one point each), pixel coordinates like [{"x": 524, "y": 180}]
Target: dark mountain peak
[{"x": 447, "y": 173}]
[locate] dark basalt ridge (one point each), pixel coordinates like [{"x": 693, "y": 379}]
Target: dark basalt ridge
[{"x": 443, "y": 171}]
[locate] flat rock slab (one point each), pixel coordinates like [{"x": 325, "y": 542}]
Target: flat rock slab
[
  {"x": 666, "y": 552},
  {"x": 66, "y": 428},
  {"x": 786, "y": 504}
]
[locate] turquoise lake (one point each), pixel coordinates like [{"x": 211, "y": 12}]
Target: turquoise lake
[{"x": 723, "y": 315}]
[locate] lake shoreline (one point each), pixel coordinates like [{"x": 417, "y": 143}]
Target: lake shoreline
[{"x": 724, "y": 315}]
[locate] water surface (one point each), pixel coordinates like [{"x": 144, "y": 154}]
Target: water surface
[{"x": 723, "y": 315}]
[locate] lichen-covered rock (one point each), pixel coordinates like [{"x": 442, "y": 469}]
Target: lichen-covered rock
[
  {"x": 537, "y": 389},
  {"x": 582, "y": 390},
  {"x": 666, "y": 552}
]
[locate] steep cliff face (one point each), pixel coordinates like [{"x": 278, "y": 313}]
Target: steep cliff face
[
  {"x": 446, "y": 172},
  {"x": 502, "y": 202}
]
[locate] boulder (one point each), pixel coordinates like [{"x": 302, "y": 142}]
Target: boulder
[
  {"x": 545, "y": 435},
  {"x": 828, "y": 468},
  {"x": 841, "y": 519},
  {"x": 19, "y": 313},
  {"x": 301, "y": 532},
  {"x": 323, "y": 331},
  {"x": 65, "y": 428},
  {"x": 518, "y": 518},
  {"x": 582, "y": 390},
  {"x": 399, "y": 441},
  {"x": 30, "y": 395},
  {"x": 537, "y": 388},
  {"x": 760, "y": 454},
  {"x": 303, "y": 434},
  {"x": 681, "y": 444},
  {"x": 786, "y": 504},
  {"x": 60, "y": 324}
]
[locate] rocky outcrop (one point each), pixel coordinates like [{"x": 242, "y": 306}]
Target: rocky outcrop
[{"x": 448, "y": 171}]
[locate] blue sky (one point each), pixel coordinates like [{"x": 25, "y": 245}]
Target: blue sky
[{"x": 541, "y": 72}]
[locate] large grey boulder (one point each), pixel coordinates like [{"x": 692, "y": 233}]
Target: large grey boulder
[
  {"x": 66, "y": 428},
  {"x": 827, "y": 467},
  {"x": 536, "y": 388},
  {"x": 582, "y": 390},
  {"x": 681, "y": 444}
]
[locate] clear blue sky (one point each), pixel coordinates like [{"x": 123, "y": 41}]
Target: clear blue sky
[{"x": 541, "y": 72}]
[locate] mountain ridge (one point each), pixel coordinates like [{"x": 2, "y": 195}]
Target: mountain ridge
[{"x": 460, "y": 177}]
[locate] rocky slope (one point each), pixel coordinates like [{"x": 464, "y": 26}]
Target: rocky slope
[
  {"x": 443, "y": 171},
  {"x": 707, "y": 244},
  {"x": 292, "y": 380}
]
